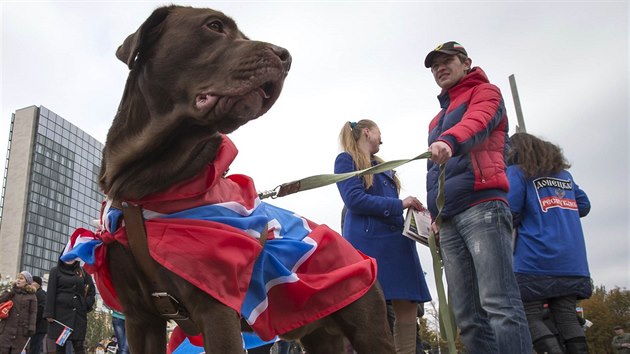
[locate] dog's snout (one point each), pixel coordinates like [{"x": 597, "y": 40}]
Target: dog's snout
[{"x": 284, "y": 56}]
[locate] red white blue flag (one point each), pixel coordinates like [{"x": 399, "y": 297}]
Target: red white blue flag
[
  {"x": 65, "y": 333},
  {"x": 82, "y": 245}
]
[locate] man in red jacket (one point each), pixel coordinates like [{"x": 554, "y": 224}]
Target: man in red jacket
[{"x": 469, "y": 135}]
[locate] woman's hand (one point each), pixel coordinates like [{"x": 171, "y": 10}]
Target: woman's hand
[
  {"x": 49, "y": 319},
  {"x": 412, "y": 202}
]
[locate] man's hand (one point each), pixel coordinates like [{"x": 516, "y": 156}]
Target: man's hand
[
  {"x": 436, "y": 232},
  {"x": 440, "y": 152}
]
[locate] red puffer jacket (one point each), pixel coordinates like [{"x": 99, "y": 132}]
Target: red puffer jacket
[{"x": 473, "y": 122}]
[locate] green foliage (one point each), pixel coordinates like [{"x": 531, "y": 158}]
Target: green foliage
[
  {"x": 605, "y": 310},
  {"x": 619, "y": 301},
  {"x": 99, "y": 327},
  {"x": 5, "y": 287},
  {"x": 5, "y": 284},
  {"x": 429, "y": 330}
]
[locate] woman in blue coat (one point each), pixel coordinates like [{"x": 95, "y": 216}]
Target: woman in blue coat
[
  {"x": 373, "y": 224},
  {"x": 549, "y": 250}
]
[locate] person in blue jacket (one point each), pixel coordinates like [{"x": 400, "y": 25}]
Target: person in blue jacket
[
  {"x": 549, "y": 251},
  {"x": 374, "y": 223}
]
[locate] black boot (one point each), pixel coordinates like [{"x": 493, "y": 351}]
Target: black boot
[
  {"x": 548, "y": 345},
  {"x": 577, "y": 346}
]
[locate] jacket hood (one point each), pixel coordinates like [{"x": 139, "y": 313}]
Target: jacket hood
[
  {"x": 27, "y": 289},
  {"x": 474, "y": 77}
]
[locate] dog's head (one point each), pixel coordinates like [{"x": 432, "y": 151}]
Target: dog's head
[{"x": 193, "y": 76}]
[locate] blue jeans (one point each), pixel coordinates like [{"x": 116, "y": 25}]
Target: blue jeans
[
  {"x": 121, "y": 337},
  {"x": 477, "y": 250}
]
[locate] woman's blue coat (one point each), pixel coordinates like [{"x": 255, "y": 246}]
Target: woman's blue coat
[{"x": 373, "y": 224}]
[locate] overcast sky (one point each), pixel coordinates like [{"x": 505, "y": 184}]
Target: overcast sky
[{"x": 354, "y": 60}]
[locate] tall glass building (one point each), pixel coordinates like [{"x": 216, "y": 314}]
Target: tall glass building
[{"x": 49, "y": 189}]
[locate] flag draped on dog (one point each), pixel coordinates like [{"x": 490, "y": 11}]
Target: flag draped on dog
[{"x": 208, "y": 229}]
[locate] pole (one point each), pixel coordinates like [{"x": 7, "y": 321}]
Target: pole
[{"x": 520, "y": 127}]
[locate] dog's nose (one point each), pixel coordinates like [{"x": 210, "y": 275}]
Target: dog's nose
[{"x": 284, "y": 56}]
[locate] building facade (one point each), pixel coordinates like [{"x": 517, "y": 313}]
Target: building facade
[{"x": 49, "y": 189}]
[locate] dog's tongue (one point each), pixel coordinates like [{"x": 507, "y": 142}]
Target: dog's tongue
[{"x": 205, "y": 101}]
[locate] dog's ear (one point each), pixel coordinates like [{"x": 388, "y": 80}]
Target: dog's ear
[{"x": 136, "y": 42}]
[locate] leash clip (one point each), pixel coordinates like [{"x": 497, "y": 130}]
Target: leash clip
[{"x": 273, "y": 193}]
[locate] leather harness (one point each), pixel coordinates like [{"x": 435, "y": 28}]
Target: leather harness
[{"x": 166, "y": 305}]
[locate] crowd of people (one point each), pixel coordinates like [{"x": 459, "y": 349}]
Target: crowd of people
[
  {"x": 39, "y": 319},
  {"x": 510, "y": 236},
  {"x": 509, "y": 232}
]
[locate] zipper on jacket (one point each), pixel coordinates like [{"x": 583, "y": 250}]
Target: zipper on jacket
[{"x": 483, "y": 178}]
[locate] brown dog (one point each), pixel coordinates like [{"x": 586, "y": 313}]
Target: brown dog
[{"x": 195, "y": 76}]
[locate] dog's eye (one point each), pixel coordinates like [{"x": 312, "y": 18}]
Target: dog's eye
[{"x": 216, "y": 26}]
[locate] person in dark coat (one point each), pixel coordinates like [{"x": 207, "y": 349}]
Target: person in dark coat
[
  {"x": 41, "y": 327},
  {"x": 20, "y": 325},
  {"x": 70, "y": 297}
]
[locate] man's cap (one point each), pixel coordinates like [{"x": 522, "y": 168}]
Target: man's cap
[
  {"x": 618, "y": 327},
  {"x": 37, "y": 279},
  {"x": 450, "y": 48}
]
